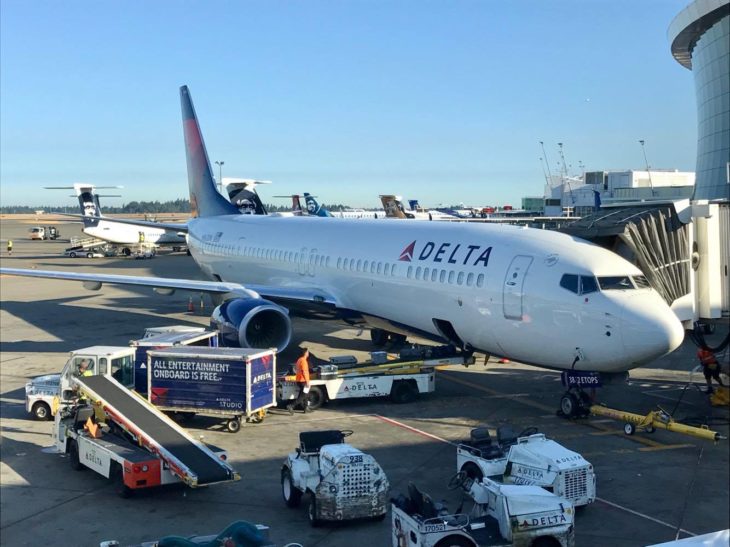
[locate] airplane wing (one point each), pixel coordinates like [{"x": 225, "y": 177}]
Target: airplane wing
[
  {"x": 94, "y": 281},
  {"x": 175, "y": 226}
]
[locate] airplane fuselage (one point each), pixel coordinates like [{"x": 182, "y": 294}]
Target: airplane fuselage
[
  {"x": 495, "y": 288},
  {"x": 127, "y": 234}
]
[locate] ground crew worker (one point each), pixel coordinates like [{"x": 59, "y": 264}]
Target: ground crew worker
[
  {"x": 302, "y": 380},
  {"x": 710, "y": 367},
  {"x": 10, "y": 247}
]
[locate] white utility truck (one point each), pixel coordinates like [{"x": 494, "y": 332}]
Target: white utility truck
[
  {"x": 40, "y": 392},
  {"x": 342, "y": 482},
  {"x": 104, "y": 426},
  {"x": 522, "y": 516},
  {"x": 528, "y": 458},
  {"x": 402, "y": 378}
]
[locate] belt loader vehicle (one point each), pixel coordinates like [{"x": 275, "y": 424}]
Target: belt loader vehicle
[
  {"x": 342, "y": 482},
  {"x": 402, "y": 379},
  {"x": 501, "y": 515},
  {"x": 528, "y": 458},
  {"x": 102, "y": 425}
]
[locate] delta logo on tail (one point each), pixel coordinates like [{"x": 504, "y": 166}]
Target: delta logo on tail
[
  {"x": 407, "y": 254},
  {"x": 464, "y": 255}
]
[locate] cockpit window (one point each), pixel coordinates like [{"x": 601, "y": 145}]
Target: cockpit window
[
  {"x": 641, "y": 282},
  {"x": 570, "y": 282},
  {"x": 615, "y": 283},
  {"x": 588, "y": 284}
]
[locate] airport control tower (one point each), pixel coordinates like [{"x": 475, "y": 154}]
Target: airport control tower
[{"x": 700, "y": 38}]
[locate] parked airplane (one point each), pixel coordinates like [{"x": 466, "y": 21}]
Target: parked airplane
[
  {"x": 395, "y": 208},
  {"x": 535, "y": 296},
  {"x": 120, "y": 231},
  {"x": 314, "y": 208}
]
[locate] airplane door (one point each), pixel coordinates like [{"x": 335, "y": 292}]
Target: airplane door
[
  {"x": 303, "y": 261},
  {"x": 513, "y": 284}
]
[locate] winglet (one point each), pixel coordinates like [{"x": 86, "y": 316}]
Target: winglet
[{"x": 205, "y": 200}]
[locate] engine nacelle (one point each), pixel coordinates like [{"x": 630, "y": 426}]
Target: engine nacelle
[{"x": 252, "y": 323}]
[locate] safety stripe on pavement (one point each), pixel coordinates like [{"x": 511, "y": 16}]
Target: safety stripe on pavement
[{"x": 413, "y": 429}]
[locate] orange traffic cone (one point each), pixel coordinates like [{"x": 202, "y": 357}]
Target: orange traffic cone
[{"x": 191, "y": 308}]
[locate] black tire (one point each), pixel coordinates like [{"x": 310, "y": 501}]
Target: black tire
[
  {"x": 312, "y": 511},
  {"x": 569, "y": 405},
  {"x": 89, "y": 255},
  {"x": 117, "y": 478},
  {"x": 379, "y": 337},
  {"x": 73, "y": 456},
  {"x": 455, "y": 541},
  {"x": 472, "y": 471},
  {"x": 126, "y": 251},
  {"x": 708, "y": 328},
  {"x": 316, "y": 397},
  {"x": 291, "y": 494},
  {"x": 403, "y": 391},
  {"x": 629, "y": 428},
  {"x": 72, "y": 254},
  {"x": 233, "y": 425},
  {"x": 545, "y": 541},
  {"x": 41, "y": 411}
]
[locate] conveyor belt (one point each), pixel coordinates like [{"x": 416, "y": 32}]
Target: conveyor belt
[{"x": 205, "y": 465}]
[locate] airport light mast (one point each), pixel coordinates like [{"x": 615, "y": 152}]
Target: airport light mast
[{"x": 641, "y": 142}]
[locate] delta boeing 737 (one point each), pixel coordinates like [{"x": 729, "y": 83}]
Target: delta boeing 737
[{"x": 534, "y": 296}]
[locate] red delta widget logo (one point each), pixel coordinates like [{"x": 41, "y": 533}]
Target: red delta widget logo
[{"x": 447, "y": 253}]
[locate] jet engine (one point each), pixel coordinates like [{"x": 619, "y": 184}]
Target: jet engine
[{"x": 252, "y": 323}]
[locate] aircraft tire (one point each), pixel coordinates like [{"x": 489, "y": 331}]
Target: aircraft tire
[{"x": 379, "y": 337}]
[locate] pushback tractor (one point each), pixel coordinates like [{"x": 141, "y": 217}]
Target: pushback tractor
[
  {"x": 342, "y": 482},
  {"x": 527, "y": 458},
  {"x": 501, "y": 515}
]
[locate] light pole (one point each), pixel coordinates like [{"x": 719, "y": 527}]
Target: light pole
[
  {"x": 220, "y": 175},
  {"x": 641, "y": 142}
]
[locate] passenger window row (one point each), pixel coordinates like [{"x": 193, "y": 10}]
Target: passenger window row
[
  {"x": 366, "y": 266},
  {"x": 450, "y": 277}
]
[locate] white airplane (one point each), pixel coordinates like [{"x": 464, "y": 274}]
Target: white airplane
[
  {"x": 534, "y": 296},
  {"x": 120, "y": 231},
  {"x": 395, "y": 208}
]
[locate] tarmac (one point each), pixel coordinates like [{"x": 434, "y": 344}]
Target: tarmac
[{"x": 652, "y": 488}]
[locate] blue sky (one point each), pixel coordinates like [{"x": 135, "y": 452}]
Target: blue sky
[{"x": 445, "y": 101}]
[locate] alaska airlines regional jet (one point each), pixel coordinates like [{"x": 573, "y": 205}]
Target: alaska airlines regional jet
[
  {"x": 121, "y": 231},
  {"x": 534, "y": 296}
]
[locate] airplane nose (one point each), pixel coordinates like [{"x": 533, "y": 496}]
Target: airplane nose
[{"x": 650, "y": 329}]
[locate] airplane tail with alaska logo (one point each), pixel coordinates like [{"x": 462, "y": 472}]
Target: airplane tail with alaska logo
[
  {"x": 205, "y": 200},
  {"x": 314, "y": 208},
  {"x": 88, "y": 201}
]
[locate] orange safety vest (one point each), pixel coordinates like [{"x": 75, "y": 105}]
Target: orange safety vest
[
  {"x": 707, "y": 358},
  {"x": 302, "y": 370}
]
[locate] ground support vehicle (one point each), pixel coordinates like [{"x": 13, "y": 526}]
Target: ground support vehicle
[
  {"x": 165, "y": 337},
  {"x": 37, "y": 232},
  {"x": 40, "y": 392},
  {"x": 528, "y": 458},
  {"x": 39, "y": 395},
  {"x": 402, "y": 379},
  {"x": 342, "y": 482},
  {"x": 519, "y": 515},
  {"x": 577, "y": 403},
  {"x": 89, "y": 247},
  {"x": 52, "y": 233},
  {"x": 230, "y": 383},
  {"x": 106, "y": 427},
  {"x": 239, "y": 534}
]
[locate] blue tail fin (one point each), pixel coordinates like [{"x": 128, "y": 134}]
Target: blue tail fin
[
  {"x": 205, "y": 200},
  {"x": 314, "y": 208}
]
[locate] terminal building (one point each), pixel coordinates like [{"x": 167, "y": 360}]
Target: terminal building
[{"x": 700, "y": 41}]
